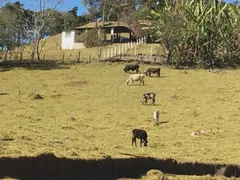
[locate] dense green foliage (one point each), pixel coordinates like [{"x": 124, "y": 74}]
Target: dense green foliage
[
  {"x": 90, "y": 38},
  {"x": 199, "y": 33}
]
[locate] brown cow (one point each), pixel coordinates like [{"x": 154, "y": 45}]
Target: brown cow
[{"x": 153, "y": 70}]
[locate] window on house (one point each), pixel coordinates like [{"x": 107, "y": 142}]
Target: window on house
[{"x": 68, "y": 34}]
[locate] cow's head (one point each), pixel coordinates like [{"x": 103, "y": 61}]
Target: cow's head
[
  {"x": 144, "y": 100},
  {"x": 145, "y": 142}
]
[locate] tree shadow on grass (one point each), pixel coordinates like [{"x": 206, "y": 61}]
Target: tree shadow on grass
[
  {"x": 34, "y": 65},
  {"x": 48, "y": 166}
]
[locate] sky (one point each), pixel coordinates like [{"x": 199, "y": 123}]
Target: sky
[{"x": 66, "y": 6}]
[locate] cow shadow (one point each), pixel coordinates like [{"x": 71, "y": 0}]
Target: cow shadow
[
  {"x": 133, "y": 72},
  {"x": 138, "y": 85},
  {"x": 163, "y": 76},
  {"x": 150, "y": 104},
  {"x": 157, "y": 76},
  {"x": 163, "y": 122}
]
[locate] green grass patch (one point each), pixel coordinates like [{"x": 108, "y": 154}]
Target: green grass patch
[{"x": 88, "y": 112}]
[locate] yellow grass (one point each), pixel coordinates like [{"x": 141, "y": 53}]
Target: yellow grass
[
  {"x": 88, "y": 112},
  {"x": 157, "y": 175}
]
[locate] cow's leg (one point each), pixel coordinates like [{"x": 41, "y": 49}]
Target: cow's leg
[
  {"x": 134, "y": 141},
  {"x": 131, "y": 81},
  {"x": 153, "y": 100},
  {"x": 141, "y": 141}
]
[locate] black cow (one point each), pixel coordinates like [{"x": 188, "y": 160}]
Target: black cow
[
  {"x": 148, "y": 96},
  {"x": 153, "y": 70},
  {"x": 140, "y": 134},
  {"x": 132, "y": 67}
]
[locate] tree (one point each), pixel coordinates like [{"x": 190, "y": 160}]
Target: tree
[
  {"x": 11, "y": 25},
  {"x": 95, "y": 38},
  {"x": 93, "y": 9},
  {"x": 199, "y": 33},
  {"x": 37, "y": 23}
]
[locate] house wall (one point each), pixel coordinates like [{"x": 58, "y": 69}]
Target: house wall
[{"x": 68, "y": 38}]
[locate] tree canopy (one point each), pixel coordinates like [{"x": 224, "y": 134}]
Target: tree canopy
[{"x": 15, "y": 20}]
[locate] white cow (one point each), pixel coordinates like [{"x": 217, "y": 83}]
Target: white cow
[{"x": 135, "y": 77}]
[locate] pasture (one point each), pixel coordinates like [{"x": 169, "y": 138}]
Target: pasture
[{"x": 88, "y": 112}]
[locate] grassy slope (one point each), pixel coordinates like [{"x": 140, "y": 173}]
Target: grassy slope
[
  {"x": 51, "y": 52},
  {"x": 106, "y": 111}
]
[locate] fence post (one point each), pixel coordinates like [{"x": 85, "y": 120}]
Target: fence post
[
  {"x": 151, "y": 51},
  {"x": 89, "y": 59},
  {"x": 10, "y": 57},
  {"x": 21, "y": 56},
  {"x": 5, "y": 56},
  {"x": 119, "y": 50},
  {"x": 111, "y": 52},
  {"x": 43, "y": 57},
  {"x": 63, "y": 56},
  {"x": 79, "y": 57},
  {"x": 115, "y": 51},
  {"x": 108, "y": 54}
]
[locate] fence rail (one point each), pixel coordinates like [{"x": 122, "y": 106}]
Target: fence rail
[{"x": 116, "y": 52}]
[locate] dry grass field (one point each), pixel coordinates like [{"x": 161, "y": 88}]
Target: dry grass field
[{"x": 88, "y": 112}]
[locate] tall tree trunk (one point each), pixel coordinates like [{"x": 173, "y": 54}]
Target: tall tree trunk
[
  {"x": 37, "y": 50},
  {"x": 103, "y": 15}
]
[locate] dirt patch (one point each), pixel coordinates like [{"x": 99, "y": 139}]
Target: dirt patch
[
  {"x": 37, "y": 96},
  {"x": 80, "y": 82},
  {"x": 47, "y": 166}
]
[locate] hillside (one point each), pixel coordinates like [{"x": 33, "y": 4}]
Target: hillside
[{"x": 52, "y": 50}]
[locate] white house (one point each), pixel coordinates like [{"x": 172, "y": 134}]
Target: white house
[
  {"x": 115, "y": 32},
  {"x": 70, "y": 40}
]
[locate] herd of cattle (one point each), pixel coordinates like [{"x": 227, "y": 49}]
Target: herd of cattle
[{"x": 140, "y": 133}]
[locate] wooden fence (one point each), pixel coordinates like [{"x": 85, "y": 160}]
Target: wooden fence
[{"x": 114, "y": 52}]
